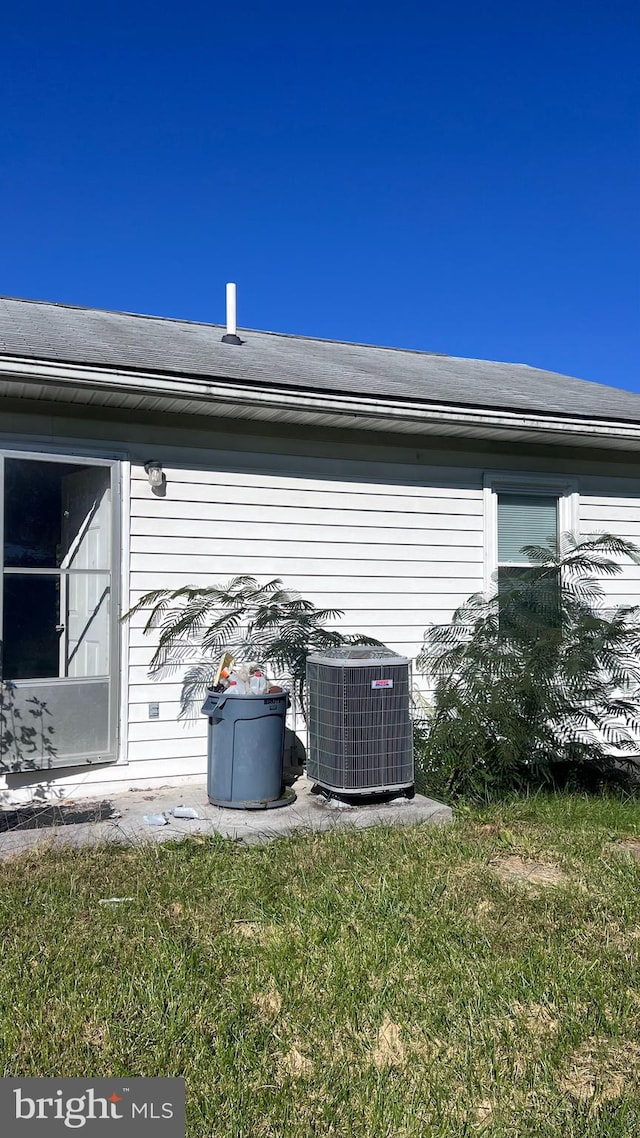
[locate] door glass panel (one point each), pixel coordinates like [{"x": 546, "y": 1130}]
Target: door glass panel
[
  {"x": 56, "y": 625},
  {"x": 31, "y": 639},
  {"x": 57, "y": 515},
  {"x": 86, "y": 517}
]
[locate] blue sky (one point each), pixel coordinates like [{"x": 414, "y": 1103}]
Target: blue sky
[{"x": 460, "y": 178}]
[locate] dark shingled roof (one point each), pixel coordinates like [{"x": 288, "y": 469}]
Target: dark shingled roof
[{"x": 64, "y": 334}]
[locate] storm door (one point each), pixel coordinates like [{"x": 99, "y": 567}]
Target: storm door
[{"x": 58, "y": 633}]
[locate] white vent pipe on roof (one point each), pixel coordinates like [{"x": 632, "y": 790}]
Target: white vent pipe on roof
[
  {"x": 232, "y": 329},
  {"x": 231, "y": 334}
]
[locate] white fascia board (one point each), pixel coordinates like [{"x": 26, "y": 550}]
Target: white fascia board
[{"x": 91, "y": 378}]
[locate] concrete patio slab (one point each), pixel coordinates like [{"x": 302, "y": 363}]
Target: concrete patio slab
[{"x": 311, "y": 812}]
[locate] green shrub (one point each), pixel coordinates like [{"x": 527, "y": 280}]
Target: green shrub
[
  {"x": 269, "y": 624},
  {"x": 538, "y": 686}
]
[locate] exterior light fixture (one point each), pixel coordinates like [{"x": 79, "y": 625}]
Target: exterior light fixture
[{"x": 154, "y": 474}]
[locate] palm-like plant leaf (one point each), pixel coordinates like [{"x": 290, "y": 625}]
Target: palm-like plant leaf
[
  {"x": 540, "y": 679},
  {"x": 266, "y": 623}
]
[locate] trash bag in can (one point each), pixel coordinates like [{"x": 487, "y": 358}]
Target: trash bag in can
[{"x": 245, "y": 750}]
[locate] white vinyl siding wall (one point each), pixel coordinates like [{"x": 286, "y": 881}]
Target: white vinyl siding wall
[
  {"x": 395, "y": 551},
  {"x": 618, "y": 512},
  {"x": 393, "y": 542}
]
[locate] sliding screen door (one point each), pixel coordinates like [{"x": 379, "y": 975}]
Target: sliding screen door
[{"x": 58, "y": 631}]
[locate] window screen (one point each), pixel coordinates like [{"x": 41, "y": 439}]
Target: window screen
[{"x": 524, "y": 519}]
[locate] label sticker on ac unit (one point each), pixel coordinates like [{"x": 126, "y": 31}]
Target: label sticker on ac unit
[{"x": 382, "y": 683}]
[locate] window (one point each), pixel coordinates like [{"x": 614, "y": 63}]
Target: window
[
  {"x": 523, "y": 510},
  {"x": 526, "y": 519},
  {"x": 523, "y": 519}
]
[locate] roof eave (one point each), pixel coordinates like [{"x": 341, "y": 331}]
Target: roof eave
[{"x": 36, "y": 380}]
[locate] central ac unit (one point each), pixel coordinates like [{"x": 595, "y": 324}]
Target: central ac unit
[{"x": 360, "y": 735}]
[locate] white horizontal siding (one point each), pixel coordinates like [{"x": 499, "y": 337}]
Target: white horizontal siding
[
  {"x": 95, "y": 782},
  {"x": 331, "y": 589},
  {"x": 295, "y": 570},
  {"x": 612, "y": 518},
  {"x": 260, "y": 471},
  {"x": 144, "y": 691},
  {"x": 353, "y": 620},
  {"x": 174, "y": 745},
  {"x": 169, "y": 728},
  {"x": 395, "y": 544},
  {"x": 407, "y": 634},
  {"x": 308, "y": 519},
  {"x": 617, "y": 513},
  {"x": 271, "y": 555},
  {"x": 205, "y": 537},
  {"x": 394, "y": 547},
  {"x": 193, "y": 497}
]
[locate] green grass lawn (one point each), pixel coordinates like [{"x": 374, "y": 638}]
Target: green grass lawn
[{"x": 400, "y": 983}]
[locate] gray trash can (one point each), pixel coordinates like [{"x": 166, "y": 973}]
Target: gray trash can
[{"x": 246, "y": 748}]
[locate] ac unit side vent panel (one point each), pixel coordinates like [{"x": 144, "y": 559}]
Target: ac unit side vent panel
[{"x": 360, "y": 736}]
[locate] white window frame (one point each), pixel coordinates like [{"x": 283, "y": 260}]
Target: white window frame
[{"x": 501, "y": 482}]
